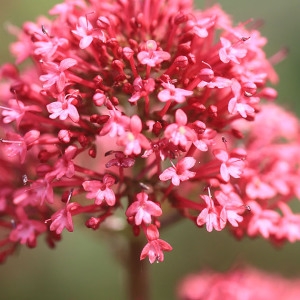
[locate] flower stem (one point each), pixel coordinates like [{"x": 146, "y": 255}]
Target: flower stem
[{"x": 137, "y": 272}]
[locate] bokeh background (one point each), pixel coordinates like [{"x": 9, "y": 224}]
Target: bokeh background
[{"x": 83, "y": 267}]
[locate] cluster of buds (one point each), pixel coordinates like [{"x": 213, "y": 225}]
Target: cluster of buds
[{"x": 148, "y": 108}]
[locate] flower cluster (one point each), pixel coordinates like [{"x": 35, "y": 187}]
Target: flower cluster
[
  {"x": 146, "y": 107},
  {"x": 238, "y": 284}
]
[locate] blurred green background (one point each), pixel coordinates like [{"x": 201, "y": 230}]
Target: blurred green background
[{"x": 82, "y": 266}]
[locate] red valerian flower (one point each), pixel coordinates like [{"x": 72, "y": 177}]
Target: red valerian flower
[
  {"x": 179, "y": 172},
  {"x": 101, "y": 191},
  {"x": 62, "y": 218},
  {"x": 172, "y": 93},
  {"x": 56, "y": 73},
  {"x": 27, "y": 230},
  {"x": 230, "y": 166},
  {"x": 87, "y": 33},
  {"x": 133, "y": 139},
  {"x": 212, "y": 216},
  {"x": 155, "y": 246},
  {"x": 178, "y": 133},
  {"x": 146, "y": 84},
  {"x": 64, "y": 109},
  {"x": 143, "y": 209},
  {"x": 151, "y": 56}
]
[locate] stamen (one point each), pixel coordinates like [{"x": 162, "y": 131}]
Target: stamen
[{"x": 24, "y": 179}]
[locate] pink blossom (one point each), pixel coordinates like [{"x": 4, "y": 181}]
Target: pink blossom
[
  {"x": 143, "y": 209},
  {"x": 155, "y": 246},
  {"x": 263, "y": 221},
  {"x": 211, "y": 216},
  {"x": 289, "y": 224},
  {"x": 232, "y": 207},
  {"x": 141, "y": 88},
  {"x": 63, "y": 218},
  {"x": 230, "y": 166},
  {"x": 63, "y": 109},
  {"x": 101, "y": 191},
  {"x": 172, "y": 93},
  {"x": 116, "y": 124},
  {"x": 87, "y": 33},
  {"x": 132, "y": 139},
  {"x": 48, "y": 48},
  {"x": 18, "y": 146},
  {"x": 16, "y": 111},
  {"x": 56, "y": 73},
  {"x": 150, "y": 56},
  {"x": 64, "y": 166},
  {"x": 27, "y": 230},
  {"x": 228, "y": 52},
  {"x": 239, "y": 103},
  {"x": 178, "y": 133},
  {"x": 179, "y": 172}
]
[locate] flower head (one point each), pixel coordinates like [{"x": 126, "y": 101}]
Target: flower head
[{"x": 148, "y": 84}]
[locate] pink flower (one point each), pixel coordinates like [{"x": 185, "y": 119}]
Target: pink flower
[
  {"x": 143, "y": 209},
  {"x": 132, "y": 139},
  {"x": 64, "y": 166},
  {"x": 87, "y": 33},
  {"x": 263, "y": 221},
  {"x": 178, "y": 133},
  {"x": 101, "y": 191},
  {"x": 232, "y": 209},
  {"x": 56, "y": 73},
  {"x": 172, "y": 93},
  {"x": 48, "y": 48},
  {"x": 64, "y": 109},
  {"x": 155, "y": 246},
  {"x": 63, "y": 218},
  {"x": 231, "y": 53},
  {"x": 16, "y": 111},
  {"x": 27, "y": 230},
  {"x": 230, "y": 166},
  {"x": 116, "y": 124},
  {"x": 18, "y": 146},
  {"x": 179, "y": 172},
  {"x": 211, "y": 216},
  {"x": 150, "y": 56},
  {"x": 141, "y": 88}
]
